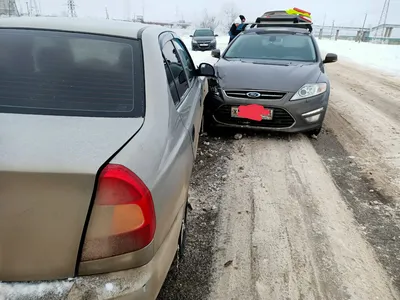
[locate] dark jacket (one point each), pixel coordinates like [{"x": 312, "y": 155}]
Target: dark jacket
[{"x": 233, "y": 32}]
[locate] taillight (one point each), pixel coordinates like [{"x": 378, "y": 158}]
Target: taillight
[{"x": 123, "y": 218}]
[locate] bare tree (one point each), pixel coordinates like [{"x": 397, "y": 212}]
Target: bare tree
[
  {"x": 230, "y": 12},
  {"x": 209, "y": 21}
]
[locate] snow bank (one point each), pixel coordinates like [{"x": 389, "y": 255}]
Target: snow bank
[
  {"x": 378, "y": 56},
  {"x": 22, "y": 291}
]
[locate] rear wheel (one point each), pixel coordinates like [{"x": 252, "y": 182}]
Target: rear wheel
[
  {"x": 182, "y": 236},
  {"x": 180, "y": 251}
]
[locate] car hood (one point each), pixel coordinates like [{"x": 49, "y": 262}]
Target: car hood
[
  {"x": 265, "y": 75},
  {"x": 203, "y": 38}
]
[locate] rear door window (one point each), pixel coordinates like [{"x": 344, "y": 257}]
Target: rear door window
[{"x": 71, "y": 74}]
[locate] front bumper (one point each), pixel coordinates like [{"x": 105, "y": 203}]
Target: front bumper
[
  {"x": 204, "y": 46},
  {"x": 142, "y": 283},
  {"x": 288, "y": 116}
]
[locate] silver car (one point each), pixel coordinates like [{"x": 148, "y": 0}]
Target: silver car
[{"x": 99, "y": 124}]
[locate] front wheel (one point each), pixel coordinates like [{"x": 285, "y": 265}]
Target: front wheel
[
  {"x": 207, "y": 124},
  {"x": 314, "y": 132}
]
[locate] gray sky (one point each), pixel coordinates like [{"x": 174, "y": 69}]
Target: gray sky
[{"x": 344, "y": 12}]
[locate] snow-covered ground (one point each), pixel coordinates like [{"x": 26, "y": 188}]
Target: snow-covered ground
[{"x": 383, "y": 57}]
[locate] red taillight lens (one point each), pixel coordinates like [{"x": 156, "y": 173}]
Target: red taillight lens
[{"x": 123, "y": 218}]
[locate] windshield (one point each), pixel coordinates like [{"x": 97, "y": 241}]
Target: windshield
[
  {"x": 70, "y": 74},
  {"x": 204, "y": 32},
  {"x": 292, "y": 47}
]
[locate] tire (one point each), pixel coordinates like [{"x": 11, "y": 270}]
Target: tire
[
  {"x": 202, "y": 125},
  {"x": 180, "y": 251},
  {"x": 183, "y": 236},
  {"x": 207, "y": 124},
  {"x": 315, "y": 132}
]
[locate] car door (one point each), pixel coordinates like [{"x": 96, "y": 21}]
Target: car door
[
  {"x": 178, "y": 161},
  {"x": 183, "y": 101},
  {"x": 194, "y": 102}
]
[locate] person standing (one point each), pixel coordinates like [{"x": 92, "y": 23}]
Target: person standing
[
  {"x": 234, "y": 31},
  {"x": 243, "y": 19}
]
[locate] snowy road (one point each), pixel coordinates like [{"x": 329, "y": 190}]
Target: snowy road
[{"x": 285, "y": 217}]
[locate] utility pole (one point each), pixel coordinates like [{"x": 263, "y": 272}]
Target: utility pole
[
  {"x": 27, "y": 8},
  {"x": 143, "y": 9},
  {"x": 33, "y": 7},
  {"x": 333, "y": 27},
  {"x": 323, "y": 23},
  {"x": 107, "y": 16},
  {"x": 383, "y": 18},
  {"x": 20, "y": 9},
  {"x": 71, "y": 8},
  {"x": 321, "y": 32},
  {"x": 362, "y": 29}
]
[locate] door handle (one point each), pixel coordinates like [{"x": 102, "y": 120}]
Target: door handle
[{"x": 193, "y": 132}]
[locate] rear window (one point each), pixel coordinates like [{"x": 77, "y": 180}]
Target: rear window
[
  {"x": 273, "y": 46},
  {"x": 62, "y": 73}
]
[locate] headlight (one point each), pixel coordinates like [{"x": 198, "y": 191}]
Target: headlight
[
  {"x": 194, "y": 42},
  {"x": 309, "y": 90},
  {"x": 213, "y": 41}
]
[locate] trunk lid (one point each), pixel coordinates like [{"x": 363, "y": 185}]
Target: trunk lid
[{"x": 48, "y": 166}]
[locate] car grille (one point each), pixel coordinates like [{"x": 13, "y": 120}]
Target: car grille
[
  {"x": 263, "y": 94},
  {"x": 281, "y": 118}
]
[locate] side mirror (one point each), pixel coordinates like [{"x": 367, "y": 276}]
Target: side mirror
[
  {"x": 216, "y": 53},
  {"x": 191, "y": 35},
  {"x": 215, "y": 35},
  {"x": 205, "y": 69},
  {"x": 330, "y": 58}
]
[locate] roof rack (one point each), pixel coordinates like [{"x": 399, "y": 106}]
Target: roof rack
[{"x": 282, "y": 21}]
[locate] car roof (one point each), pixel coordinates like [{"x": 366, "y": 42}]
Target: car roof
[
  {"x": 94, "y": 26},
  {"x": 277, "y": 29},
  {"x": 203, "y": 29}
]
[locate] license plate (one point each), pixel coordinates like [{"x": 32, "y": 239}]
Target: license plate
[
  {"x": 266, "y": 115},
  {"x": 203, "y": 45}
]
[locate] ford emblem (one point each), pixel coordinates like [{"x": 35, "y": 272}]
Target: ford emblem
[{"x": 253, "y": 95}]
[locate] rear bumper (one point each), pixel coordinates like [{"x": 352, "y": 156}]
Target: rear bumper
[{"x": 142, "y": 283}]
